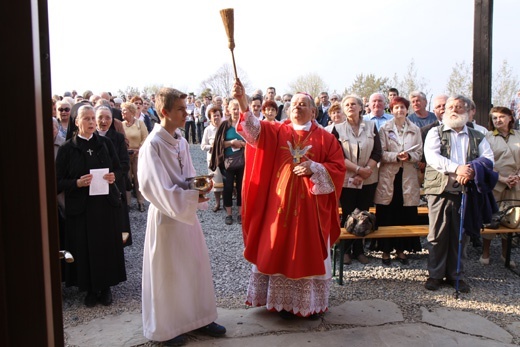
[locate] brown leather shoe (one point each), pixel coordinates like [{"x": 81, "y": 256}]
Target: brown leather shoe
[
  {"x": 346, "y": 259},
  {"x": 362, "y": 259},
  {"x": 463, "y": 286},
  {"x": 386, "y": 261},
  {"x": 432, "y": 284}
]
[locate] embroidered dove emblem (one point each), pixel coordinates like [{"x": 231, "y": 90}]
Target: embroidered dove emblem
[{"x": 298, "y": 153}]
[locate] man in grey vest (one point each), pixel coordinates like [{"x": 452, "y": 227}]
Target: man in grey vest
[{"x": 448, "y": 149}]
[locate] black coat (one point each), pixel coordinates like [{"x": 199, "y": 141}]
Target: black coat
[
  {"x": 116, "y": 113},
  {"x": 92, "y": 226},
  {"x": 118, "y": 140},
  {"x": 322, "y": 117},
  {"x": 279, "y": 112}
]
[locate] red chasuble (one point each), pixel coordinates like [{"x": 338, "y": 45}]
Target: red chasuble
[{"x": 285, "y": 227}]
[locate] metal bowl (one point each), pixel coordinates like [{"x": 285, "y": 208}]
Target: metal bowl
[{"x": 203, "y": 183}]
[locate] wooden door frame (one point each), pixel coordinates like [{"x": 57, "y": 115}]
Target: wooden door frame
[{"x": 30, "y": 284}]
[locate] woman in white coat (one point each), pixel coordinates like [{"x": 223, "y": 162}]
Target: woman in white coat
[
  {"x": 214, "y": 114},
  {"x": 398, "y": 190}
]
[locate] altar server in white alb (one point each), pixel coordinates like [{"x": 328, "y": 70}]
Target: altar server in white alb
[{"x": 178, "y": 294}]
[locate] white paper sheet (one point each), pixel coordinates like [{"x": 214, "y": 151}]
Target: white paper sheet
[
  {"x": 98, "y": 185},
  {"x": 411, "y": 148},
  {"x": 350, "y": 184}
]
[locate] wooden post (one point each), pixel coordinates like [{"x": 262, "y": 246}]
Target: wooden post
[{"x": 482, "y": 59}]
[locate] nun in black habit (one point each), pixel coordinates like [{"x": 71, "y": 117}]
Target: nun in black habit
[{"x": 92, "y": 226}]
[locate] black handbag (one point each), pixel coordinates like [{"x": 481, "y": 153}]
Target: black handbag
[
  {"x": 235, "y": 161},
  {"x": 114, "y": 195},
  {"x": 361, "y": 223}
]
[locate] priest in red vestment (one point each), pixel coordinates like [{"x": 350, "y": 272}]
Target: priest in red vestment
[{"x": 292, "y": 181}]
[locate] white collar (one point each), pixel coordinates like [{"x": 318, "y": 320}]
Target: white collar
[
  {"x": 84, "y": 138},
  {"x": 305, "y": 127}
]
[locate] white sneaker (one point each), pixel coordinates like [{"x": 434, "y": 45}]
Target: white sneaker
[
  {"x": 511, "y": 262},
  {"x": 483, "y": 261}
]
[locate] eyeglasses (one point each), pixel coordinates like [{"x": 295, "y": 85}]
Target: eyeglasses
[
  {"x": 138, "y": 103},
  {"x": 66, "y": 109},
  {"x": 333, "y": 99},
  {"x": 456, "y": 107}
]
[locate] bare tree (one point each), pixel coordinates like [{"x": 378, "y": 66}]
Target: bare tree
[
  {"x": 410, "y": 81},
  {"x": 460, "y": 80},
  {"x": 152, "y": 89},
  {"x": 367, "y": 85},
  {"x": 221, "y": 82},
  {"x": 206, "y": 92},
  {"x": 504, "y": 86},
  {"x": 129, "y": 92},
  {"x": 311, "y": 83}
]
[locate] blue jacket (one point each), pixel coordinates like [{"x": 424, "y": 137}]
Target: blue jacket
[{"x": 480, "y": 202}]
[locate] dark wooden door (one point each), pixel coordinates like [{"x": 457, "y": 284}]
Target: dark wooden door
[{"x": 30, "y": 286}]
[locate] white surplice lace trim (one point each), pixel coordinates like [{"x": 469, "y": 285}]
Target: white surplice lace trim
[
  {"x": 322, "y": 181},
  {"x": 303, "y": 297},
  {"x": 251, "y": 128}
]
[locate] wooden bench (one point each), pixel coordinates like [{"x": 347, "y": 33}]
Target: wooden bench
[
  {"x": 412, "y": 230},
  {"x": 405, "y": 231},
  {"x": 421, "y": 210}
]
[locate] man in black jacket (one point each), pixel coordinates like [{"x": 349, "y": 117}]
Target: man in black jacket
[{"x": 323, "y": 109}]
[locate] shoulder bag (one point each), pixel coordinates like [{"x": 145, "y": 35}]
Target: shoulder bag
[{"x": 235, "y": 161}]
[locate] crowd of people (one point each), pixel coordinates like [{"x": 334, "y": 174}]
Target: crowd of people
[{"x": 288, "y": 162}]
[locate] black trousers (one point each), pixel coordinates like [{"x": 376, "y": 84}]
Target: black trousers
[
  {"x": 232, "y": 176},
  {"x": 189, "y": 129},
  {"x": 200, "y": 131}
]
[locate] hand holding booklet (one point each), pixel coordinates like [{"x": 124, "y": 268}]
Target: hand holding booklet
[
  {"x": 350, "y": 184},
  {"x": 99, "y": 185},
  {"x": 411, "y": 148}
]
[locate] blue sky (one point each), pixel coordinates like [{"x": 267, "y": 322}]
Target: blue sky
[{"x": 109, "y": 45}]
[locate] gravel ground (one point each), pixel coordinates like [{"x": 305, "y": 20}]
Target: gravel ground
[{"x": 495, "y": 290}]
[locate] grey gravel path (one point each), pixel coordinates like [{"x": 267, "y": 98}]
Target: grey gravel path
[{"x": 495, "y": 291}]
